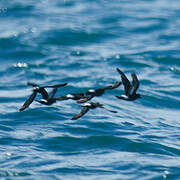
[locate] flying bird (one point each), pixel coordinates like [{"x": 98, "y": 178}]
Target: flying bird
[
  {"x": 88, "y": 106},
  {"x": 38, "y": 89},
  {"x": 97, "y": 92},
  {"x": 129, "y": 88},
  {"x": 50, "y": 100},
  {"x": 41, "y": 89},
  {"x": 73, "y": 96}
]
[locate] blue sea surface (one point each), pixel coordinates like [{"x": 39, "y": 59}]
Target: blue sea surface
[{"x": 82, "y": 43}]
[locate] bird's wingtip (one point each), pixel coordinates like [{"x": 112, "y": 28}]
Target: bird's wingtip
[
  {"x": 21, "y": 109},
  {"x": 74, "y": 118}
]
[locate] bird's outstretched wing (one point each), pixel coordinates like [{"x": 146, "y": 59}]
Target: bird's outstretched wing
[
  {"x": 56, "y": 85},
  {"x": 135, "y": 81},
  {"x": 43, "y": 92},
  {"x": 62, "y": 98},
  {"x": 117, "y": 84},
  {"x": 53, "y": 86},
  {"x": 74, "y": 96},
  {"x": 85, "y": 99},
  {"x": 42, "y": 101},
  {"x": 83, "y": 111},
  {"x": 125, "y": 81},
  {"x": 78, "y": 96},
  {"x": 52, "y": 93},
  {"x": 28, "y": 101},
  {"x": 135, "y": 84}
]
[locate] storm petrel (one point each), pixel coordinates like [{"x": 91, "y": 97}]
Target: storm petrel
[
  {"x": 50, "y": 99},
  {"x": 41, "y": 89},
  {"x": 38, "y": 89},
  {"x": 130, "y": 88},
  {"x": 97, "y": 92},
  {"x": 73, "y": 96},
  {"x": 88, "y": 106}
]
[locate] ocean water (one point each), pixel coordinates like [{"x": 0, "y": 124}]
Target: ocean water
[{"x": 83, "y": 42}]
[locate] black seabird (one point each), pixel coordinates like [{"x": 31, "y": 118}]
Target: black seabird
[
  {"x": 97, "y": 92},
  {"x": 50, "y": 99},
  {"x": 130, "y": 89},
  {"x": 41, "y": 89},
  {"x": 73, "y": 96},
  {"x": 38, "y": 89},
  {"x": 88, "y": 106}
]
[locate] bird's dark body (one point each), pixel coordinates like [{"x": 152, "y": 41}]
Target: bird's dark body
[
  {"x": 50, "y": 100},
  {"x": 47, "y": 102},
  {"x": 97, "y": 92},
  {"x": 136, "y": 96},
  {"x": 73, "y": 96}
]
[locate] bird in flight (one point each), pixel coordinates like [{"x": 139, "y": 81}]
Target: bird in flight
[
  {"x": 38, "y": 89},
  {"x": 73, "y": 96},
  {"x": 50, "y": 100},
  {"x": 129, "y": 88},
  {"x": 87, "y": 106}
]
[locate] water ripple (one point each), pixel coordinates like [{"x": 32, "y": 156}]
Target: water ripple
[{"x": 83, "y": 43}]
